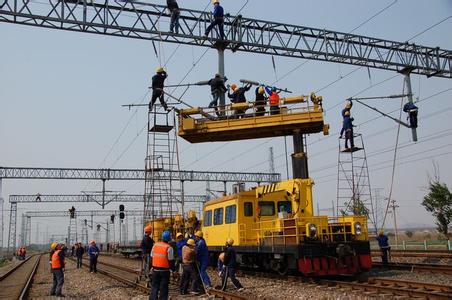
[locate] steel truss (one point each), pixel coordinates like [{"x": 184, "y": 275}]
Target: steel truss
[
  {"x": 133, "y": 174},
  {"x": 81, "y": 213},
  {"x": 97, "y": 198},
  {"x": 141, "y": 20}
]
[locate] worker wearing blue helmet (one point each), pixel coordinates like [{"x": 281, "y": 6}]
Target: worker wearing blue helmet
[{"x": 162, "y": 265}]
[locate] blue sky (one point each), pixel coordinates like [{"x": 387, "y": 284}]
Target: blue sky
[{"x": 61, "y": 95}]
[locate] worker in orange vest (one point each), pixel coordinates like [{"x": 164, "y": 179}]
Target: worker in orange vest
[
  {"x": 162, "y": 264},
  {"x": 274, "y": 100},
  {"x": 57, "y": 264}
]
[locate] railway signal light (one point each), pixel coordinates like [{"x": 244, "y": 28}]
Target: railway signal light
[
  {"x": 112, "y": 218},
  {"x": 121, "y": 212},
  {"x": 98, "y": 227}
]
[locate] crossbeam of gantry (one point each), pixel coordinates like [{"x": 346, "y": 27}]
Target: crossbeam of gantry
[
  {"x": 96, "y": 198},
  {"x": 81, "y": 213},
  {"x": 143, "y": 20},
  {"x": 133, "y": 174}
]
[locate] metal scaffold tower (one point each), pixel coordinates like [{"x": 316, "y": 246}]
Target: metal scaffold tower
[
  {"x": 27, "y": 231},
  {"x": 162, "y": 154},
  {"x": 353, "y": 183}
]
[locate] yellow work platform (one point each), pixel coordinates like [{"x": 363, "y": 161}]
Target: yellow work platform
[{"x": 243, "y": 121}]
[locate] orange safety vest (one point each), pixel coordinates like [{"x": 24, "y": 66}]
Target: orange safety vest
[
  {"x": 56, "y": 262},
  {"x": 160, "y": 255},
  {"x": 274, "y": 99}
]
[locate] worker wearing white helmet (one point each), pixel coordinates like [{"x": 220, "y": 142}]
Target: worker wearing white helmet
[{"x": 218, "y": 19}]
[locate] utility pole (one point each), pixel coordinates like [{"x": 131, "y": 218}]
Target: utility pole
[
  {"x": 271, "y": 160},
  {"x": 394, "y": 206},
  {"x": 406, "y": 72}
]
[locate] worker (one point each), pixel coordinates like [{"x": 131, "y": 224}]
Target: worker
[
  {"x": 218, "y": 19},
  {"x": 93, "y": 252},
  {"x": 57, "y": 265},
  {"x": 348, "y": 128},
  {"x": 79, "y": 251},
  {"x": 52, "y": 250},
  {"x": 274, "y": 100},
  {"x": 162, "y": 264},
  {"x": 146, "y": 247},
  {"x": 158, "y": 83},
  {"x": 238, "y": 96},
  {"x": 384, "y": 246},
  {"x": 230, "y": 265},
  {"x": 180, "y": 243},
  {"x": 347, "y": 108},
  {"x": 202, "y": 257},
  {"x": 173, "y": 7},
  {"x": 189, "y": 269},
  {"x": 217, "y": 89},
  {"x": 412, "y": 110},
  {"x": 260, "y": 102}
]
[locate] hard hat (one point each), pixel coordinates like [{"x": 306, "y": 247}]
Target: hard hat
[
  {"x": 234, "y": 87},
  {"x": 166, "y": 236},
  {"x": 230, "y": 241},
  {"x": 148, "y": 229},
  {"x": 261, "y": 90},
  {"x": 191, "y": 242},
  {"x": 159, "y": 70},
  {"x": 199, "y": 233},
  {"x": 218, "y": 75},
  {"x": 273, "y": 89},
  {"x": 381, "y": 232},
  {"x": 221, "y": 257},
  {"x": 347, "y": 113},
  {"x": 178, "y": 235},
  {"x": 348, "y": 104},
  {"x": 54, "y": 245},
  {"x": 215, "y": 2}
]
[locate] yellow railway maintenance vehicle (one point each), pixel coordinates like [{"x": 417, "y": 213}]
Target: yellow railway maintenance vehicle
[{"x": 274, "y": 226}]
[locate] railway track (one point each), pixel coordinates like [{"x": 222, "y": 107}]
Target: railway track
[
  {"x": 435, "y": 268},
  {"x": 394, "y": 288},
  {"x": 16, "y": 283},
  {"x": 129, "y": 277}
]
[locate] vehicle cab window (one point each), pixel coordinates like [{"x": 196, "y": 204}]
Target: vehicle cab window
[
  {"x": 266, "y": 208},
  {"x": 248, "y": 209},
  {"x": 218, "y": 216},
  {"x": 285, "y": 206},
  {"x": 208, "y": 218}
]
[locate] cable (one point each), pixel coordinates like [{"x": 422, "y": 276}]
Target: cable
[{"x": 378, "y": 13}]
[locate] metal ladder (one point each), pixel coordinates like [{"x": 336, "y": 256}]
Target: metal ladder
[
  {"x": 162, "y": 159},
  {"x": 72, "y": 232},
  {"x": 353, "y": 182}
]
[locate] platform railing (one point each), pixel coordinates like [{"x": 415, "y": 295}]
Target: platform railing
[{"x": 249, "y": 109}]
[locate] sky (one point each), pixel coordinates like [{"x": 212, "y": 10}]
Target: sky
[{"x": 61, "y": 95}]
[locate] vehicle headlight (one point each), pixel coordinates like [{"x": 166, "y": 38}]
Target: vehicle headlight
[
  {"x": 311, "y": 230},
  {"x": 358, "y": 229}
]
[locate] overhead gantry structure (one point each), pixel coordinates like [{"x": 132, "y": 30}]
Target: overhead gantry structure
[{"x": 141, "y": 20}]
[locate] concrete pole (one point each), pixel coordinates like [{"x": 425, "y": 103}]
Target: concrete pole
[
  {"x": 2, "y": 222},
  {"x": 222, "y": 73},
  {"x": 410, "y": 99},
  {"x": 394, "y": 206}
]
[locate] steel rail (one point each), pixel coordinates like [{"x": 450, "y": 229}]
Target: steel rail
[
  {"x": 412, "y": 284},
  {"x": 434, "y": 268},
  {"x": 3, "y": 276},
  {"x": 27, "y": 286},
  {"x": 394, "y": 290}
]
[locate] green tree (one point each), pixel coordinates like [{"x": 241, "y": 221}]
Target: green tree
[
  {"x": 438, "y": 201},
  {"x": 409, "y": 233}
]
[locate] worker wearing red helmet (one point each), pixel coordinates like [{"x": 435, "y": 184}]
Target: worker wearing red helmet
[{"x": 146, "y": 247}]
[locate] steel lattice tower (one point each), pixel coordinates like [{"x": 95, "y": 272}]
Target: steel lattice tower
[
  {"x": 162, "y": 155},
  {"x": 353, "y": 183},
  {"x": 72, "y": 231}
]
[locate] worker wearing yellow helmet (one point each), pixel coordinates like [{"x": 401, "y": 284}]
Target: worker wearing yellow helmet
[
  {"x": 238, "y": 96},
  {"x": 260, "y": 102},
  {"x": 383, "y": 243},
  {"x": 180, "y": 243},
  {"x": 146, "y": 247},
  {"x": 158, "y": 83},
  {"x": 189, "y": 268},
  {"x": 229, "y": 266},
  {"x": 218, "y": 19},
  {"x": 202, "y": 256}
]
